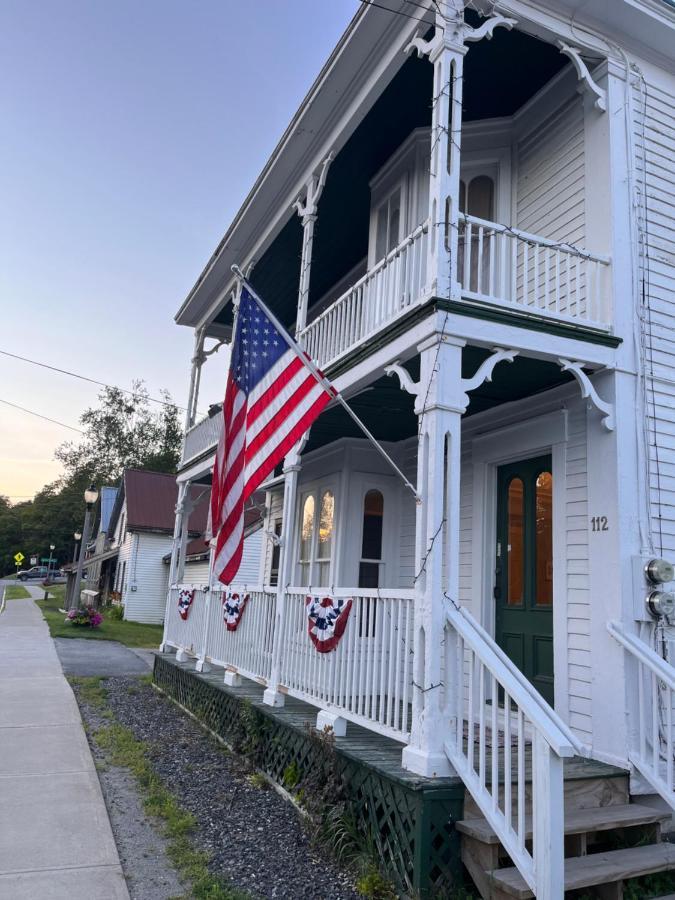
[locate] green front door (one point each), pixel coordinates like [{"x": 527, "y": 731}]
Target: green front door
[{"x": 524, "y": 572}]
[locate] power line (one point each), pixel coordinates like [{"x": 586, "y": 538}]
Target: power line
[
  {"x": 40, "y": 416},
  {"x": 35, "y": 362},
  {"x": 395, "y": 12}
]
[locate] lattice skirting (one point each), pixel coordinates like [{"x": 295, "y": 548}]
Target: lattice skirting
[{"x": 409, "y": 819}]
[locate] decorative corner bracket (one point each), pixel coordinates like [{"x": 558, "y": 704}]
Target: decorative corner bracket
[
  {"x": 483, "y": 373},
  {"x": 585, "y": 76},
  {"x": 406, "y": 382},
  {"x": 588, "y": 392},
  {"x": 487, "y": 29},
  {"x": 461, "y": 33},
  {"x": 312, "y": 192}
]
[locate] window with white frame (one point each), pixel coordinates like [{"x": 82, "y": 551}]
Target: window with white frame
[
  {"x": 371, "y": 540},
  {"x": 388, "y": 223},
  {"x": 317, "y": 536}
]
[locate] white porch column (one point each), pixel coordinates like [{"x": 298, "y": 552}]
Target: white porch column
[
  {"x": 446, "y": 54},
  {"x": 175, "y": 548},
  {"x": 198, "y": 359},
  {"x": 440, "y": 403},
  {"x": 273, "y": 696},
  {"x": 307, "y": 209}
]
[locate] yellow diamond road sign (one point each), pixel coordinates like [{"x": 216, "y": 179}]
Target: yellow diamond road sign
[{"x": 19, "y": 558}]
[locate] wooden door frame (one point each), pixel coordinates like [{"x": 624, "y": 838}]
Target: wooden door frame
[{"x": 534, "y": 437}]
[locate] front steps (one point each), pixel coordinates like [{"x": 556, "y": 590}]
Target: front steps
[{"x": 599, "y": 819}]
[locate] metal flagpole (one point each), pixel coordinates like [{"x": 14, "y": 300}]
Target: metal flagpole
[{"x": 323, "y": 381}]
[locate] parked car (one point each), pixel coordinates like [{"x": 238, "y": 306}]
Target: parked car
[{"x": 33, "y": 573}]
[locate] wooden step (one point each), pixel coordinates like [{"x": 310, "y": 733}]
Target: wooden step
[
  {"x": 577, "y": 821},
  {"x": 595, "y": 869}
]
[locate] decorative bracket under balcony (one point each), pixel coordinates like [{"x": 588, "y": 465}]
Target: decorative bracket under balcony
[
  {"x": 483, "y": 373},
  {"x": 585, "y": 76},
  {"x": 463, "y": 33},
  {"x": 588, "y": 392}
]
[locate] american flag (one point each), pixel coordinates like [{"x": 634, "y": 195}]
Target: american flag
[{"x": 271, "y": 399}]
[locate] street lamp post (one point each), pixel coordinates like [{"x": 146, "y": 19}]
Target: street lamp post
[
  {"x": 90, "y": 498},
  {"x": 52, "y": 548}
]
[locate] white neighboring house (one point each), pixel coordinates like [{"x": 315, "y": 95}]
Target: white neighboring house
[
  {"x": 141, "y": 529},
  {"x": 495, "y": 228}
]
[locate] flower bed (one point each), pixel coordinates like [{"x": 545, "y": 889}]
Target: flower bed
[{"x": 86, "y": 617}]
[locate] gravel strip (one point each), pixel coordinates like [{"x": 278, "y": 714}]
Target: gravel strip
[
  {"x": 142, "y": 849},
  {"x": 256, "y": 839}
]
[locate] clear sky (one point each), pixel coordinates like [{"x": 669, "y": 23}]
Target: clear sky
[{"x": 130, "y": 132}]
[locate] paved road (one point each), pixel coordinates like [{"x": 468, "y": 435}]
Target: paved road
[{"x": 55, "y": 835}]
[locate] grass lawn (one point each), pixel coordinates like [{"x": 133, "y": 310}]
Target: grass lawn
[
  {"x": 133, "y": 634},
  {"x": 16, "y": 592}
]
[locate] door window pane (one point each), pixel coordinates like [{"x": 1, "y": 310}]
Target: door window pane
[
  {"x": 515, "y": 547},
  {"x": 544, "y": 537}
]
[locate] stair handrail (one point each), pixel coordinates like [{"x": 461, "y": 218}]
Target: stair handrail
[
  {"x": 651, "y": 760},
  {"x": 644, "y": 653},
  {"x": 541, "y": 864},
  {"x": 560, "y": 732}
]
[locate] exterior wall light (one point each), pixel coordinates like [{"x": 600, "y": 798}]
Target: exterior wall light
[{"x": 661, "y": 604}]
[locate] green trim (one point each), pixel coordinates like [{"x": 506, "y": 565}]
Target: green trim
[
  {"x": 530, "y": 321},
  {"x": 475, "y": 310}
]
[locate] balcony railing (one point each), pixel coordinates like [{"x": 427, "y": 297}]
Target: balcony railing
[
  {"x": 499, "y": 265},
  {"x": 202, "y": 437},
  {"x": 377, "y": 299},
  {"x": 529, "y": 273}
]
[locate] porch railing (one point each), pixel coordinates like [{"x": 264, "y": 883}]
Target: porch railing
[
  {"x": 248, "y": 650},
  {"x": 384, "y": 293},
  {"x": 368, "y": 678},
  {"x": 502, "y": 737},
  {"x": 507, "y": 266},
  {"x": 652, "y": 754},
  {"x": 185, "y": 635}
]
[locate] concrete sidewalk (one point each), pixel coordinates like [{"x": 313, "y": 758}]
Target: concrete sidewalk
[{"x": 55, "y": 837}]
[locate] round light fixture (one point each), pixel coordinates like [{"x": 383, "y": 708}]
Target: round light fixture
[{"x": 90, "y": 495}]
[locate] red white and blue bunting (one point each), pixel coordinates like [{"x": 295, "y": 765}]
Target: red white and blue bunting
[
  {"x": 327, "y": 620},
  {"x": 185, "y": 598},
  {"x": 233, "y": 609}
]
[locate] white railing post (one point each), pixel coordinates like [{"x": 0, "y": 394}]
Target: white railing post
[
  {"x": 202, "y": 665},
  {"x": 439, "y": 408},
  {"x": 548, "y": 826},
  {"x": 272, "y": 695},
  {"x": 175, "y": 549}
]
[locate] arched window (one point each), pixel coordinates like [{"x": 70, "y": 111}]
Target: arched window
[
  {"x": 371, "y": 541},
  {"x": 306, "y": 534},
  {"x": 325, "y": 538},
  {"x": 317, "y": 537},
  {"x": 476, "y": 198}
]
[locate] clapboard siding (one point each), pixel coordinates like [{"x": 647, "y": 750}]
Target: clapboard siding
[
  {"x": 550, "y": 176},
  {"x": 249, "y": 570},
  {"x": 654, "y": 137},
  {"x": 577, "y": 599},
  {"x": 147, "y": 579},
  {"x": 196, "y": 572}
]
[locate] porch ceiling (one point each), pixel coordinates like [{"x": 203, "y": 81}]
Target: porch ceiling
[
  {"x": 494, "y": 86},
  {"x": 388, "y": 411}
]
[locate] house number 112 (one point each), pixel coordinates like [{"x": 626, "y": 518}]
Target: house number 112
[{"x": 599, "y": 523}]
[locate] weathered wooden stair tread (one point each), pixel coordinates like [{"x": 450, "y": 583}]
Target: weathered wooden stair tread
[
  {"x": 577, "y": 821},
  {"x": 596, "y": 868}
]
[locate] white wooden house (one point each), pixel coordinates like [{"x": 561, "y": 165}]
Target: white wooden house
[{"x": 470, "y": 226}]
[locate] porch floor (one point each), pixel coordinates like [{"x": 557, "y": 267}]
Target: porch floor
[{"x": 368, "y": 747}]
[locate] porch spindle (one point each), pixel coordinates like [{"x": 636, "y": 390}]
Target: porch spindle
[{"x": 272, "y": 695}]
